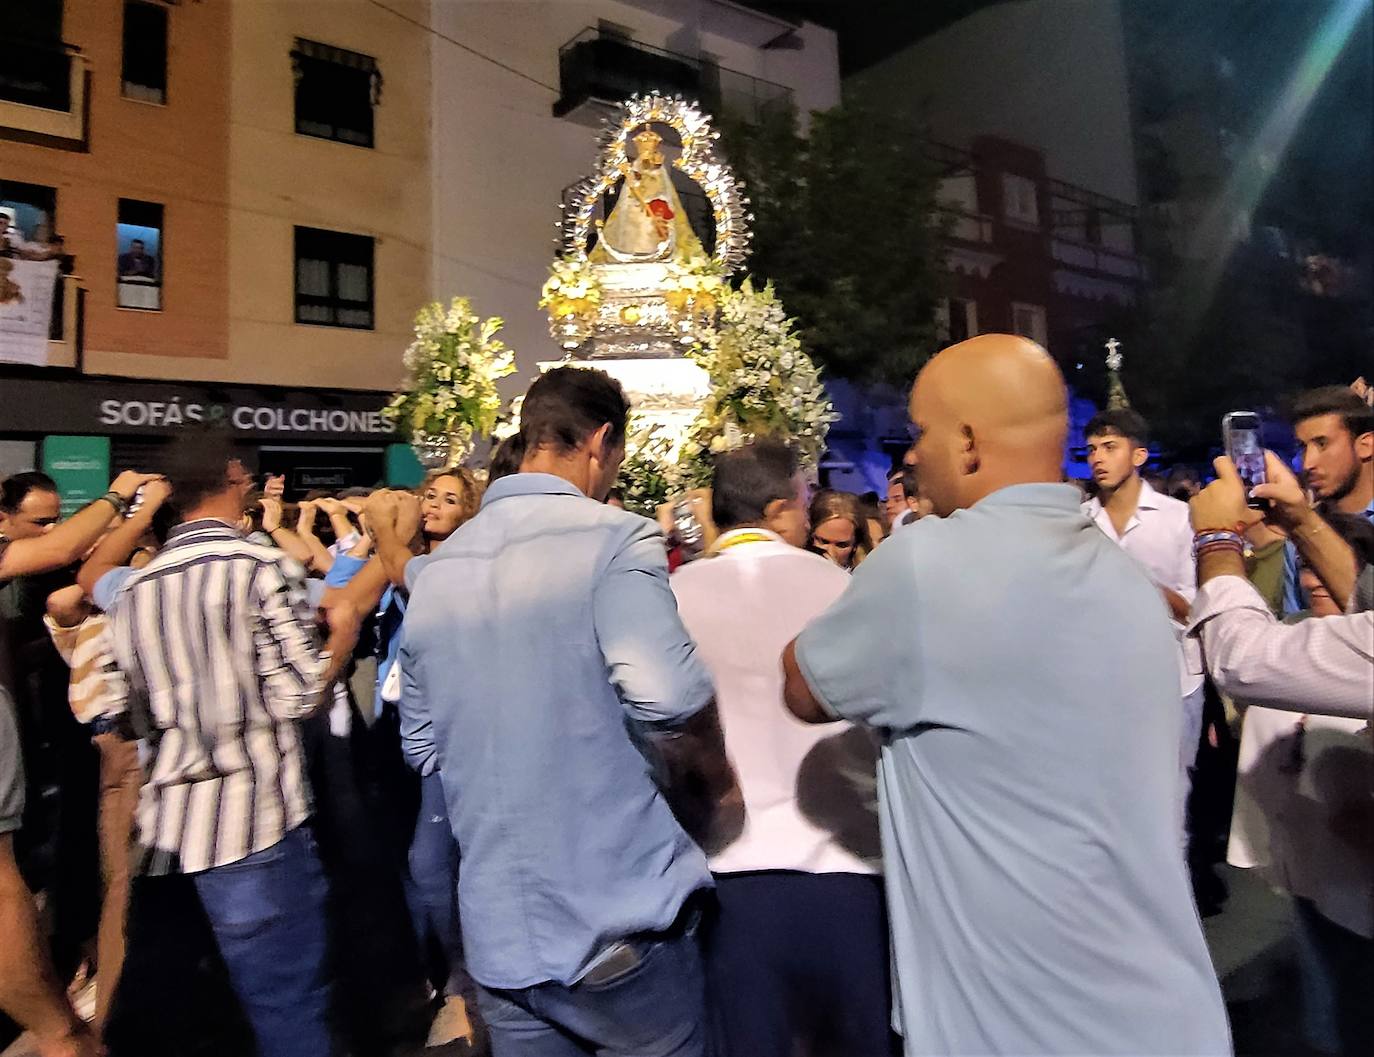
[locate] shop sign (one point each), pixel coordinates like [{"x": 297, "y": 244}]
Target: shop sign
[
  {"x": 89, "y": 405},
  {"x": 244, "y": 418},
  {"x": 81, "y": 468}
]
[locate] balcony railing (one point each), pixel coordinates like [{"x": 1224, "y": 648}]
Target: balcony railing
[
  {"x": 1096, "y": 258},
  {"x": 597, "y": 67},
  {"x": 43, "y": 91}
]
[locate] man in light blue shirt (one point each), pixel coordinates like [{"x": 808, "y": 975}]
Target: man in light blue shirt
[
  {"x": 1022, "y": 671},
  {"x": 545, "y": 662}
]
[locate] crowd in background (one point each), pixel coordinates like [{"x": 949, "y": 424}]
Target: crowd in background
[{"x": 463, "y": 766}]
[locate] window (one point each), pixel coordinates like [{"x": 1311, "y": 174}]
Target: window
[
  {"x": 1029, "y": 322},
  {"x": 956, "y": 319},
  {"x": 139, "y": 265},
  {"x": 31, "y": 209},
  {"x": 335, "y": 92},
  {"x": 36, "y": 69},
  {"x": 333, "y": 279},
  {"x": 145, "y": 51},
  {"x": 1019, "y": 199},
  {"x": 963, "y": 319}
]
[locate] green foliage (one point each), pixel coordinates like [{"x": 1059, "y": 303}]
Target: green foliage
[{"x": 847, "y": 230}]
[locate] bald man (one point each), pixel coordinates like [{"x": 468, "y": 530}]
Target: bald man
[{"x": 1023, "y": 677}]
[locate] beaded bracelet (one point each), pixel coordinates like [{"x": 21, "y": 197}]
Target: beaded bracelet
[
  {"x": 1223, "y": 540},
  {"x": 117, "y": 501}
]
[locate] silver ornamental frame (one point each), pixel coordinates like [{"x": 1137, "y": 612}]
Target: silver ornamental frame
[{"x": 698, "y": 161}]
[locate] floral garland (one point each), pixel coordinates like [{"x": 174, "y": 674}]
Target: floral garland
[
  {"x": 454, "y": 363},
  {"x": 572, "y": 296},
  {"x": 692, "y": 290},
  {"x": 762, "y": 384}
]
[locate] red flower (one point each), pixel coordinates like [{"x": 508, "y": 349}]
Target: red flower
[{"x": 659, "y": 208}]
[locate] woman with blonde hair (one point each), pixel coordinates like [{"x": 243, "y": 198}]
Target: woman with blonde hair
[
  {"x": 414, "y": 815},
  {"x": 839, "y": 530}
]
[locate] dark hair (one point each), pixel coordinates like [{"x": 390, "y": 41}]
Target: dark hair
[
  {"x": 568, "y": 404},
  {"x": 616, "y": 495},
  {"x": 165, "y": 518},
  {"x": 198, "y": 466},
  {"x": 15, "y": 488},
  {"x": 506, "y": 458},
  {"x": 1122, "y": 422},
  {"x": 747, "y": 479},
  {"x": 1357, "y": 416},
  {"x": 911, "y": 484}
]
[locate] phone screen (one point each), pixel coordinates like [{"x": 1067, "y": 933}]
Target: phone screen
[{"x": 1245, "y": 448}]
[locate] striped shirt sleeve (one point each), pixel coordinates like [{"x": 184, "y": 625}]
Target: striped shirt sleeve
[{"x": 289, "y": 662}]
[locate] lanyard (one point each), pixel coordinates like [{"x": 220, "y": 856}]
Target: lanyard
[{"x": 739, "y": 539}]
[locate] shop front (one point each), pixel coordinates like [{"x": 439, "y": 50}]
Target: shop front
[{"x": 82, "y": 428}]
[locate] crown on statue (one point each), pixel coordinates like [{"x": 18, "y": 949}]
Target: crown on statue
[{"x": 647, "y": 142}]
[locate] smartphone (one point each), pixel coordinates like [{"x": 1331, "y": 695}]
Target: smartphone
[{"x": 1240, "y": 431}]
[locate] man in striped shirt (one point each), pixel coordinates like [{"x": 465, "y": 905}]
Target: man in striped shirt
[{"x": 220, "y": 652}]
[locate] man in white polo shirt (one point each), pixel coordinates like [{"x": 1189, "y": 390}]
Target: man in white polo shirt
[
  {"x": 1155, "y": 531},
  {"x": 799, "y": 952}
]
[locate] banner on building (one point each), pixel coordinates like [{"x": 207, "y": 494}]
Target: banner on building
[{"x": 26, "y": 292}]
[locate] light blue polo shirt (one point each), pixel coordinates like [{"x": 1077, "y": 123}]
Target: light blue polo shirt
[{"x": 1024, "y": 676}]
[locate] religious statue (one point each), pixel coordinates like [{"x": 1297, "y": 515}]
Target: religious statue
[{"x": 648, "y": 223}]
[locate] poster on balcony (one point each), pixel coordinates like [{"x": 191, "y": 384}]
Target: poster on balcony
[{"x": 26, "y": 293}]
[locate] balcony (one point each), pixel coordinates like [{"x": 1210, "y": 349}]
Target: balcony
[
  {"x": 43, "y": 94},
  {"x": 1088, "y": 257},
  {"x": 598, "y": 69}
]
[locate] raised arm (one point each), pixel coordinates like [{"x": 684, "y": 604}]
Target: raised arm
[
  {"x": 282, "y": 536},
  {"x": 337, "y": 513},
  {"x": 1324, "y": 552},
  {"x": 118, "y": 547},
  {"x": 67, "y": 542},
  {"x": 394, "y": 518},
  {"x": 320, "y": 559}
]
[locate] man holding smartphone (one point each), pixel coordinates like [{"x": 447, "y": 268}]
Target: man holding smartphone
[
  {"x": 1335, "y": 430},
  {"x": 1154, "y": 530}
]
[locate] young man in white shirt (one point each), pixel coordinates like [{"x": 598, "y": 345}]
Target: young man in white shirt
[
  {"x": 1153, "y": 529},
  {"x": 799, "y": 951}
]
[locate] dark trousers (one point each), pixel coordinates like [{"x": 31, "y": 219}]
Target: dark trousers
[
  {"x": 799, "y": 957},
  {"x": 268, "y": 915},
  {"x": 655, "y": 1008},
  {"x": 1336, "y": 972}
]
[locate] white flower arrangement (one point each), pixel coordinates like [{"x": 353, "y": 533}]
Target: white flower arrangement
[
  {"x": 572, "y": 296},
  {"x": 763, "y": 383},
  {"x": 693, "y": 290},
  {"x": 454, "y": 364}
]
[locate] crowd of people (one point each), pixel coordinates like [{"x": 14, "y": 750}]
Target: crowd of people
[{"x": 866, "y": 775}]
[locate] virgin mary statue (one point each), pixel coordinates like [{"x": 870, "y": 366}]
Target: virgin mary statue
[{"x": 648, "y": 222}]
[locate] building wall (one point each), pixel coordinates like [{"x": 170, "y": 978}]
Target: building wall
[
  {"x": 502, "y": 161},
  {"x": 279, "y": 179},
  {"x": 1050, "y": 73},
  {"x": 175, "y": 155}
]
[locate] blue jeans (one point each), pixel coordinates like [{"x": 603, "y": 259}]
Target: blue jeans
[
  {"x": 654, "y": 1009},
  {"x": 433, "y": 864},
  {"x": 268, "y": 915}
]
